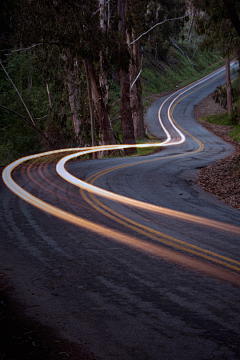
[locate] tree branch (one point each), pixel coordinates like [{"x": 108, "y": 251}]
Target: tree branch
[
  {"x": 29, "y": 122},
  {"x": 115, "y": 102},
  {"x": 17, "y": 92},
  {"x": 181, "y": 17},
  {"x": 23, "y": 49},
  {"x": 136, "y": 79}
]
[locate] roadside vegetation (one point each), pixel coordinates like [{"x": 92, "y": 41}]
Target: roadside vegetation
[
  {"x": 232, "y": 121},
  {"x": 18, "y": 139}
]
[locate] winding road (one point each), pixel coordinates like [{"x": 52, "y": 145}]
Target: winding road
[{"x": 128, "y": 257}]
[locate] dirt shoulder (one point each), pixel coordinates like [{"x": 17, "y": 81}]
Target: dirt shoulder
[{"x": 222, "y": 178}]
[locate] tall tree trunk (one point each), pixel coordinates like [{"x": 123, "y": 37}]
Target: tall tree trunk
[
  {"x": 73, "y": 94},
  {"x": 136, "y": 91},
  {"x": 102, "y": 75},
  {"x": 238, "y": 56},
  {"x": 229, "y": 87},
  {"x": 90, "y": 103},
  {"x": 149, "y": 44},
  {"x": 126, "y": 113},
  {"x": 191, "y": 26},
  {"x": 106, "y": 136},
  {"x": 125, "y": 107}
]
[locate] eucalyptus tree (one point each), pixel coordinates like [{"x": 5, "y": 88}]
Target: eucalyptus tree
[
  {"x": 102, "y": 35},
  {"x": 73, "y": 27},
  {"x": 213, "y": 22}
]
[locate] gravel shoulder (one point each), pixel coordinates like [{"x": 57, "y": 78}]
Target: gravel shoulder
[{"x": 221, "y": 178}]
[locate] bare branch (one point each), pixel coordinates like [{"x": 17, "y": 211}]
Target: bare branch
[
  {"x": 116, "y": 118},
  {"x": 136, "y": 79},
  {"x": 115, "y": 102},
  {"x": 29, "y": 122},
  {"x": 5, "y": 127},
  {"x": 43, "y": 117},
  {"x": 23, "y": 49},
  {"x": 181, "y": 17},
  {"x": 17, "y": 92},
  {"x": 30, "y": 47},
  {"x": 185, "y": 55},
  {"x": 14, "y": 112}
]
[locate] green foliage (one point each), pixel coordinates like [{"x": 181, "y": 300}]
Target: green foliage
[
  {"x": 218, "y": 119},
  {"x": 30, "y": 78},
  {"x": 179, "y": 71},
  {"x": 16, "y": 135},
  {"x": 235, "y": 133},
  {"x": 214, "y": 25}
]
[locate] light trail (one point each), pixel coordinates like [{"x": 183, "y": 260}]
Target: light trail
[
  {"x": 139, "y": 204},
  {"x": 154, "y": 249}
]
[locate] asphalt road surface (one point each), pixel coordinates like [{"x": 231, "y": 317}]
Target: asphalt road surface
[{"x": 157, "y": 279}]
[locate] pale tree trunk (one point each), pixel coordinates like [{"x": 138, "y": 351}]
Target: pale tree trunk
[
  {"x": 238, "y": 55},
  {"x": 102, "y": 76},
  {"x": 73, "y": 94},
  {"x": 136, "y": 91},
  {"x": 49, "y": 99},
  {"x": 229, "y": 87},
  {"x": 125, "y": 107},
  {"x": 109, "y": 14},
  {"x": 238, "y": 58},
  {"x": 149, "y": 44},
  {"x": 191, "y": 26},
  {"x": 103, "y": 81},
  {"x": 106, "y": 136}
]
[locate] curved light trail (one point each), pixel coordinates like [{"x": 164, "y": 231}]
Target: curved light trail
[{"x": 118, "y": 236}]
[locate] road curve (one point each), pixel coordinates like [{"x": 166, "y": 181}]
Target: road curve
[{"x": 153, "y": 273}]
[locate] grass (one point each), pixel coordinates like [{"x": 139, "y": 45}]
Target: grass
[
  {"x": 218, "y": 119},
  {"x": 179, "y": 72},
  {"x": 147, "y": 150},
  {"x": 224, "y": 119}
]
